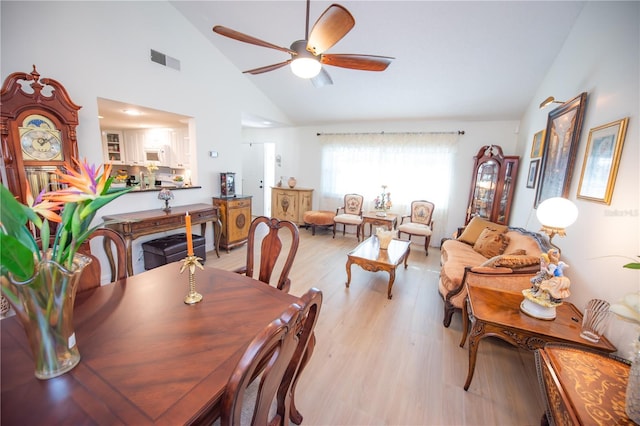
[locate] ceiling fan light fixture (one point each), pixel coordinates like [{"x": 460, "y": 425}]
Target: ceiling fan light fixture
[{"x": 306, "y": 67}]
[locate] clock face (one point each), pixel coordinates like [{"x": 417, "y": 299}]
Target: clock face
[{"x": 40, "y": 140}]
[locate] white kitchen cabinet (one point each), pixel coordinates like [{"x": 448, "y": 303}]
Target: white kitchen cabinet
[
  {"x": 180, "y": 156},
  {"x": 113, "y": 149},
  {"x": 134, "y": 141}
]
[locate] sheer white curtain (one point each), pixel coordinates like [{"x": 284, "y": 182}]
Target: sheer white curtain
[{"x": 413, "y": 166}]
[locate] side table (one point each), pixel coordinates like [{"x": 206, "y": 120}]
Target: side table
[
  {"x": 390, "y": 221},
  {"x": 581, "y": 386},
  {"x": 496, "y": 312}
]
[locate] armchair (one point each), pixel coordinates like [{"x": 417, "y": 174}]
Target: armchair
[
  {"x": 351, "y": 214},
  {"x": 419, "y": 222}
]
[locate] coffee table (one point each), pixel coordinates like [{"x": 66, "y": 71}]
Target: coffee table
[
  {"x": 496, "y": 312},
  {"x": 370, "y": 257},
  {"x": 372, "y": 218}
]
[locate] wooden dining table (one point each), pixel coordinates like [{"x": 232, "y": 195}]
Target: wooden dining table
[{"x": 146, "y": 356}]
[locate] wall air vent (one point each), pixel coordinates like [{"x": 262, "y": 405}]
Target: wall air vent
[{"x": 166, "y": 60}]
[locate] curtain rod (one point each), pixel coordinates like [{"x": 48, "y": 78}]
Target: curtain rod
[{"x": 458, "y": 132}]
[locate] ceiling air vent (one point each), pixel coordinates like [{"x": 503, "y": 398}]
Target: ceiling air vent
[{"x": 166, "y": 60}]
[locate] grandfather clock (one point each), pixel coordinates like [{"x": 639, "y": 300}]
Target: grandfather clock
[{"x": 37, "y": 132}]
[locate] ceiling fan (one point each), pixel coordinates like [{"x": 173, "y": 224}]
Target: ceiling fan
[{"x": 308, "y": 55}]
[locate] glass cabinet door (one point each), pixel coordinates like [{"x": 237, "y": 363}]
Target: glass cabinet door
[{"x": 485, "y": 189}]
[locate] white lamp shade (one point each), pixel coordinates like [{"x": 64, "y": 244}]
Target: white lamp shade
[
  {"x": 305, "y": 67},
  {"x": 557, "y": 212}
]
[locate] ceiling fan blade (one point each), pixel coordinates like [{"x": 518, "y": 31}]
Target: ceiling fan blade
[
  {"x": 228, "y": 32},
  {"x": 357, "y": 62},
  {"x": 322, "y": 79},
  {"x": 268, "y": 68},
  {"x": 330, "y": 27}
]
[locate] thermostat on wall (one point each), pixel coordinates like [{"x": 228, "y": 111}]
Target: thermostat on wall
[{"x": 213, "y": 154}]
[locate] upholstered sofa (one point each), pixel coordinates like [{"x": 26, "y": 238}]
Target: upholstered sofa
[{"x": 487, "y": 253}]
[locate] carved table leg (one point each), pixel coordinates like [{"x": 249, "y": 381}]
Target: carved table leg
[
  {"x": 465, "y": 322},
  {"x": 477, "y": 333},
  {"x": 129, "y": 247},
  {"x": 349, "y": 263},
  {"x": 392, "y": 278}
]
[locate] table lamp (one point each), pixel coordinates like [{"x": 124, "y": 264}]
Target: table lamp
[
  {"x": 555, "y": 214},
  {"x": 165, "y": 194}
]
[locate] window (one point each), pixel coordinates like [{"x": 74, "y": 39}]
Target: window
[{"x": 413, "y": 166}]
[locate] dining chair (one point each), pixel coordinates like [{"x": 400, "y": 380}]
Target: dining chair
[
  {"x": 271, "y": 246},
  {"x": 419, "y": 222},
  {"x": 351, "y": 214},
  {"x": 265, "y": 360},
  {"x": 309, "y": 303},
  {"x": 110, "y": 241}
]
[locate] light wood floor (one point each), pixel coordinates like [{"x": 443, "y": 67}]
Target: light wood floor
[{"x": 391, "y": 362}]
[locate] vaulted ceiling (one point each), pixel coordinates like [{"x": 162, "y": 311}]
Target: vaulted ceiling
[{"x": 454, "y": 60}]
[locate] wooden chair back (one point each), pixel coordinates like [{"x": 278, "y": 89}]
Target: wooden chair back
[
  {"x": 422, "y": 211},
  {"x": 111, "y": 242},
  {"x": 353, "y": 204},
  {"x": 266, "y": 359},
  {"x": 270, "y": 249},
  {"x": 309, "y": 303}
]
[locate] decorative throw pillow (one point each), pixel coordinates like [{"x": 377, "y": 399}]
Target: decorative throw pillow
[
  {"x": 491, "y": 242},
  {"x": 517, "y": 252},
  {"x": 513, "y": 261},
  {"x": 517, "y": 261},
  {"x": 475, "y": 227}
]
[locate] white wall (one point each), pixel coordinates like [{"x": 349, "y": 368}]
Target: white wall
[
  {"x": 600, "y": 57},
  {"x": 101, "y": 49}
]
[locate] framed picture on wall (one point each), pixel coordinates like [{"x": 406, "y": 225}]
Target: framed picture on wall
[
  {"x": 538, "y": 144},
  {"x": 601, "y": 160},
  {"x": 533, "y": 173},
  {"x": 560, "y": 145}
]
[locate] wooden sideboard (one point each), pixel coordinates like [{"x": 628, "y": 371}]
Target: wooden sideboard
[
  {"x": 581, "y": 386},
  {"x": 235, "y": 216},
  {"x": 136, "y": 224},
  {"x": 291, "y": 203}
]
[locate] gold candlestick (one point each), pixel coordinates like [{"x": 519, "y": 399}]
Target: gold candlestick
[{"x": 192, "y": 261}]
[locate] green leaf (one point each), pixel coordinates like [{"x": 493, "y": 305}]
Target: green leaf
[
  {"x": 15, "y": 257},
  {"x": 634, "y": 265}
]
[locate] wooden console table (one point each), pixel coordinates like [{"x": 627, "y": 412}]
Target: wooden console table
[
  {"x": 136, "y": 224},
  {"x": 582, "y": 387},
  {"x": 496, "y": 312}
]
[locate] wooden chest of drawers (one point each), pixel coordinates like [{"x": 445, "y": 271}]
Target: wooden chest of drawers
[
  {"x": 291, "y": 203},
  {"x": 235, "y": 215}
]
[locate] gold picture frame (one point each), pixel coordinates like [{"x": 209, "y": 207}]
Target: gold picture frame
[
  {"x": 601, "y": 160},
  {"x": 537, "y": 147}
]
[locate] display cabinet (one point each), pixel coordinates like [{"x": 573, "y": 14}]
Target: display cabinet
[
  {"x": 235, "y": 217},
  {"x": 290, "y": 203},
  {"x": 113, "y": 146},
  {"x": 492, "y": 185},
  {"x": 38, "y": 132}
]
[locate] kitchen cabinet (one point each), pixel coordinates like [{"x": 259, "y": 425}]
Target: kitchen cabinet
[
  {"x": 492, "y": 185},
  {"x": 113, "y": 146},
  {"x": 291, "y": 203},
  {"x": 134, "y": 147},
  {"x": 235, "y": 217},
  {"x": 180, "y": 157}
]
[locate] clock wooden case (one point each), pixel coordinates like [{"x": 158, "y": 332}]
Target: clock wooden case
[{"x": 37, "y": 131}]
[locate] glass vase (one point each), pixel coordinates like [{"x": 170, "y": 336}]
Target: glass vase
[
  {"x": 44, "y": 306},
  {"x": 632, "y": 403}
]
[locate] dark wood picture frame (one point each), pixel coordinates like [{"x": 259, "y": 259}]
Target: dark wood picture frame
[
  {"x": 601, "y": 160},
  {"x": 532, "y": 177},
  {"x": 560, "y": 147}
]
